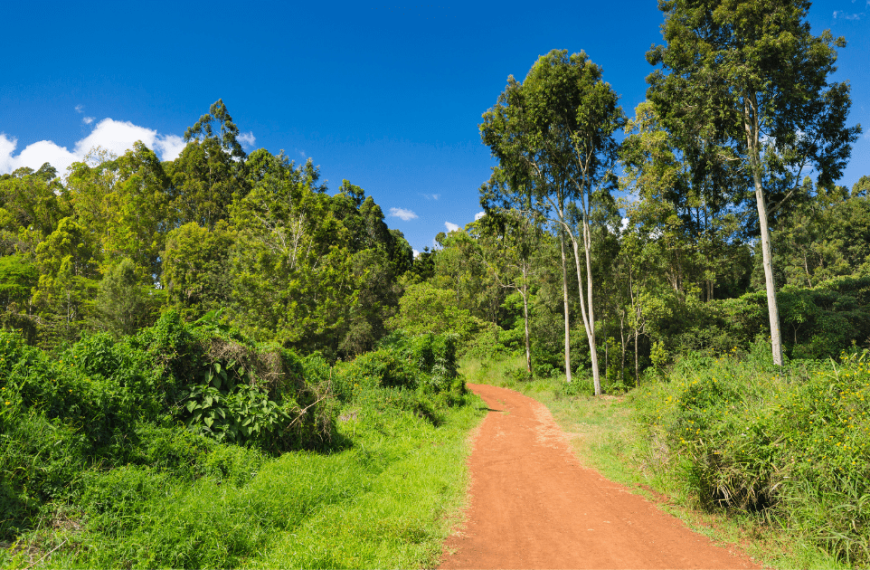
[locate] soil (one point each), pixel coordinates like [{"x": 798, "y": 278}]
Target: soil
[{"x": 533, "y": 505}]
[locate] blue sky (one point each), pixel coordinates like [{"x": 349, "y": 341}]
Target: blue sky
[{"x": 386, "y": 95}]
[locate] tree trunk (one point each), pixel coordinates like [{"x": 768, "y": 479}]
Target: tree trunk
[
  {"x": 525, "y": 293},
  {"x": 587, "y": 240},
  {"x": 622, "y": 345},
  {"x": 588, "y": 318},
  {"x": 751, "y": 125},
  {"x": 636, "y": 362},
  {"x": 567, "y": 316},
  {"x": 767, "y": 260}
]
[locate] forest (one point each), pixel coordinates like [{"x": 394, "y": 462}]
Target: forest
[{"x": 224, "y": 318}]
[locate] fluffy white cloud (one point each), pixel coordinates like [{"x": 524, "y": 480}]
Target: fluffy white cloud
[
  {"x": 88, "y": 120},
  {"x": 115, "y": 136},
  {"x": 451, "y": 227},
  {"x": 846, "y": 15},
  {"x": 416, "y": 253},
  {"x": 33, "y": 155},
  {"x": 247, "y": 139},
  {"x": 479, "y": 215},
  {"x": 402, "y": 214},
  {"x": 169, "y": 146},
  {"x": 431, "y": 196}
]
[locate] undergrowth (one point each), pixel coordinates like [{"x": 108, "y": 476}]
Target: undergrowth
[
  {"x": 789, "y": 444},
  {"x": 281, "y": 460}
]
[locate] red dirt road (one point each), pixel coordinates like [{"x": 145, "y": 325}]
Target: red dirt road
[{"x": 534, "y": 506}]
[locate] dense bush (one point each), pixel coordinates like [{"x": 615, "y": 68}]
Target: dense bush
[
  {"x": 424, "y": 363},
  {"x": 792, "y": 445},
  {"x": 816, "y": 322},
  {"x": 138, "y": 442},
  {"x": 97, "y": 403}
]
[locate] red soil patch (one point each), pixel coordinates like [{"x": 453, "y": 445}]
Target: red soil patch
[{"x": 533, "y": 505}]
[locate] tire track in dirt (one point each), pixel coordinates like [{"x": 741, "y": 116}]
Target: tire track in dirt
[{"x": 533, "y": 505}]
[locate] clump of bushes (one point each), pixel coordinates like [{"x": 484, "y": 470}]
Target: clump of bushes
[
  {"x": 98, "y": 404},
  {"x": 790, "y": 444},
  {"x": 412, "y": 373}
]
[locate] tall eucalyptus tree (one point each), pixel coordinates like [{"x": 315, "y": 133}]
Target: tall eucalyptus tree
[
  {"x": 751, "y": 75},
  {"x": 553, "y": 135}
]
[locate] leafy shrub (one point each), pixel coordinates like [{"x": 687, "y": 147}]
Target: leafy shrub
[
  {"x": 98, "y": 403},
  {"x": 792, "y": 444}
]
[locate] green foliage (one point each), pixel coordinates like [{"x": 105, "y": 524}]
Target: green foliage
[
  {"x": 123, "y": 306},
  {"x": 18, "y": 275},
  {"x": 112, "y": 457},
  {"x": 424, "y": 365},
  {"x": 426, "y": 309},
  {"x": 195, "y": 268},
  {"x": 95, "y": 401},
  {"x": 793, "y": 445}
]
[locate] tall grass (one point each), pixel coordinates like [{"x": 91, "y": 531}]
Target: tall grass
[
  {"x": 389, "y": 501},
  {"x": 790, "y": 444}
]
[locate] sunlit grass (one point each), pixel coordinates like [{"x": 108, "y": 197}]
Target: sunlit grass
[{"x": 389, "y": 500}]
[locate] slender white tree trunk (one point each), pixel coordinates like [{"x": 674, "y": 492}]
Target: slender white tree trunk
[
  {"x": 567, "y": 317},
  {"x": 767, "y": 261},
  {"x": 587, "y": 240},
  {"x": 588, "y": 316},
  {"x": 525, "y": 293},
  {"x": 751, "y": 125}
]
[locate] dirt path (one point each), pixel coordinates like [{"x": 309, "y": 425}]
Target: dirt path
[{"x": 534, "y": 506}]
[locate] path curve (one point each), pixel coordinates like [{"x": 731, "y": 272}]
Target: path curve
[{"x": 534, "y": 506}]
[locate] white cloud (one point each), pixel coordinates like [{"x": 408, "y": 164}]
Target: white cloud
[
  {"x": 451, "y": 227},
  {"x": 431, "y": 196},
  {"x": 80, "y": 108},
  {"x": 169, "y": 146},
  {"x": 114, "y": 136},
  {"x": 88, "y": 120},
  {"x": 846, "y": 15},
  {"x": 479, "y": 215},
  {"x": 247, "y": 139},
  {"x": 416, "y": 253},
  {"x": 33, "y": 155},
  {"x": 402, "y": 214}
]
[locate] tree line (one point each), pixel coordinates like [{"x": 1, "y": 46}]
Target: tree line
[
  {"x": 671, "y": 230},
  {"x": 708, "y": 219},
  {"x": 121, "y": 239}
]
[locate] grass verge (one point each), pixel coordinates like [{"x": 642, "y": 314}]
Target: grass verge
[{"x": 388, "y": 499}]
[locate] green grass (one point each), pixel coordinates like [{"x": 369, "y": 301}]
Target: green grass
[
  {"x": 387, "y": 500},
  {"x": 618, "y": 436}
]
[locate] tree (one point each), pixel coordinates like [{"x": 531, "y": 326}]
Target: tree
[
  {"x": 195, "y": 268},
  {"x": 553, "y": 136},
  {"x": 30, "y": 208},
  {"x": 122, "y": 305},
  {"x": 123, "y": 202},
  {"x": 67, "y": 275},
  {"x": 750, "y": 76},
  {"x": 210, "y": 172},
  {"x": 512, "y": 232}
]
